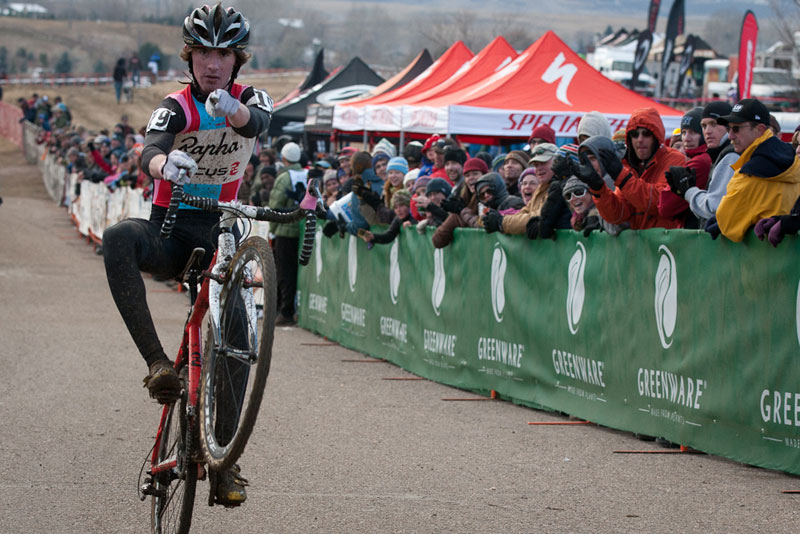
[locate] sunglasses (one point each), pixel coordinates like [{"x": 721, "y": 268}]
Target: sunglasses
[
  {"x": 484, "y": 193},
  {"x": 643, "y": 132},
  {"x": 539, "y": 150},
  {"x": 736, "y": 127},
  {"x": 580, "y": 193}
]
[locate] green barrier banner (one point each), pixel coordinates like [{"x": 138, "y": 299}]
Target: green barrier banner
[{"x": 664, "y": 333}]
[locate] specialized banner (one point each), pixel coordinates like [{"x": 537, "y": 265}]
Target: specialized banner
[
  {"x": 675, "y": 25},
  {"x": 665, "y": 333},
  {"x": 652, "y": 15},
  {"x": 517, "y": 123},
  {"x": 747, "y": 54}
]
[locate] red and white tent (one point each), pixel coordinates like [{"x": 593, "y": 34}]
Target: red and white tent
[
  {"x": 547, "y": 83},
  {"x": 353, "y": 113}
]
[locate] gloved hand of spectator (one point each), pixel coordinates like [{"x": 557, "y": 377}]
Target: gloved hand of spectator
[
  {"x": 297, "y": 193},
  {"x": 532, "y": 228},
  {"x": 563, "y": 167},
  {"x": 591, "y": 224},
  {"x": 370, "y": 198},
  {"x": 589, "y": 176},
  {"x": 493, "y": 222},
  {"x": 610, "y": 162},
  {"x": 764, "y": 226},
  {"x": 220, "y": 103},
  {"x": 330, "y": 228},
  {"x": 786, "y": 225},
  {"x": 177, "y": 160},
  {"x": 454, "y": 204},
  {"x": 680, "y": 179},
  {"x": 713, "y": 228}
]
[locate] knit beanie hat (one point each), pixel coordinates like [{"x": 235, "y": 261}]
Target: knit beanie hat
[
  {"x": 413, "y": 152},
  {"x": 291, "y": 152},
  {"x": 545, "y": 132},
  {"x": 716, "y": 109},
  {"x": 401, "y": 198},
  {"x": 330, "y": 174},
  {"x": 378, "y": 157},
  {"x": 398, "y": 164},
  {"x": 456, "y": 154},
  {"x": 691, "y": 121},
  {"x": 438, "y": 185},
  {"x": 569, "y": 151},
  {"x": 409, "y": 178},
  {"x": 476, "y": 164},
  {"x": 498, "y": 162},
  {"x": 385, "y": 146},
  {"x": 594, "y": 123},
  {"x": 519, "y": 156},
  {"x": 422, "y": 182}
]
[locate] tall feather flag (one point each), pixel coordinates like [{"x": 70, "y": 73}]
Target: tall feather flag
[
  {"x": 645, "y": 42},
  {"x": 675, "y": 25},
  {"x": 747, "y": 53}
]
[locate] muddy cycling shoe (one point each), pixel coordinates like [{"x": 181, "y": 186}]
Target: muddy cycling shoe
[
  {"x": 163, "y": 383},
  {"x": 230, "y": 487}
]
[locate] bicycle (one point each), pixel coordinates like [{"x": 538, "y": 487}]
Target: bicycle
[{"x": 223, "y": 378}]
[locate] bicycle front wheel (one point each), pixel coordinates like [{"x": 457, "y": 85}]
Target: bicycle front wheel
[
  {"x": 237, "y": 354},
  {"x": 172, "y": 504}
]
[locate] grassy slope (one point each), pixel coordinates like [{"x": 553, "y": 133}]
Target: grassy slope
[{"x": 95, "y": 107}]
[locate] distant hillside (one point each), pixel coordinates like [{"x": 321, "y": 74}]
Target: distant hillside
[{"x": 85, "y": 42}]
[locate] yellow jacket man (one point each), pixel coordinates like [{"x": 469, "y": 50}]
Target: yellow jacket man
[{"x": 766, "y": 178}]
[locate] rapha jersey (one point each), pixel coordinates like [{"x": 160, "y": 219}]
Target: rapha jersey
[{"x": 221, "y": 154}]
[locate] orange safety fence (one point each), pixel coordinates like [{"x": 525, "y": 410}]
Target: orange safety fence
[{"x": 10, "y": 127}]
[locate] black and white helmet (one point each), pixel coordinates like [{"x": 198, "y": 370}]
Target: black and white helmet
[{"x": 216, "y": 27}]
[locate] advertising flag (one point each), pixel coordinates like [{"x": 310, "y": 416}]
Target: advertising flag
[
  {"x": 645, "y": 42},
  {"x": 686, "y": 63},
  {"x": 747, "y": 53},
  {"x": 675, "y": 25}
]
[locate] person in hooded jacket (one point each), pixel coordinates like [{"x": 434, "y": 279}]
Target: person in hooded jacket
[
  {"x": 436, "y": 192},
  {"x": 766, "y": 181},
  {"x": 639, "y": 177},
  {"x": 693, "y": 174},
  {"x": 493, "y": 201}
]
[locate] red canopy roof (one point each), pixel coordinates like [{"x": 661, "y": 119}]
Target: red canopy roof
[
  {"x": 441, "y": 70},
  {"x": 492, "y": 58}
]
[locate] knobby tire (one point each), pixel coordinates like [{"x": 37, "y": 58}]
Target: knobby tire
[{"x": 222, "y": 373}]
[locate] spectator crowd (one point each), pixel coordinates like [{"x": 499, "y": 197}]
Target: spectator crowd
[{"x": 725, "y": 171}]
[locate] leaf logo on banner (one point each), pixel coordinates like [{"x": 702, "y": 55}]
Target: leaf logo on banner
[
  {"x": 352, "y": 262},
  {"x": 576, "y": 290},
  {"x": 318, "y": 251},
  {"x": 666, "y": 301},
  {"x": 498, "y": 282},
  {"x": 437, "y": 292},
  {"x": 394, "y": 272}
]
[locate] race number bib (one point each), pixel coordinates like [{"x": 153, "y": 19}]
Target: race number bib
[
  {"x": 261, "y": 100},
  {"x": 159, "y": 120}
]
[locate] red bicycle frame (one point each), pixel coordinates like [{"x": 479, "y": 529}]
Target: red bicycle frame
[{"x": 191, "y": 348}]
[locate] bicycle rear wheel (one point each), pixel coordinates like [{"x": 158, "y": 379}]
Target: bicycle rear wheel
[
  {"x": 237, "y": 355},
  {"x": 172, "y": 504}
]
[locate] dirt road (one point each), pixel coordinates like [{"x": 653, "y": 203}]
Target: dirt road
[{"x": 336, "y": 449}]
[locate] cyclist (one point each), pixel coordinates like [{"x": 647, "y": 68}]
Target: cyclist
[{"x": 207, "y": 130}]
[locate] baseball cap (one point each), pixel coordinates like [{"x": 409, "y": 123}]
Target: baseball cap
[
  {"x": 544, "y": 152},
  {"x": 746, "y": 110}
]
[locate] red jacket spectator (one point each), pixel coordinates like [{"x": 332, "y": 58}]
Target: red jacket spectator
[{"x": 639, "y": 185}]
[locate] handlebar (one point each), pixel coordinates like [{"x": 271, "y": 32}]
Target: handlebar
[
  {"x": 252, "y": 212},
  {"x": 172, "y": 210}
]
